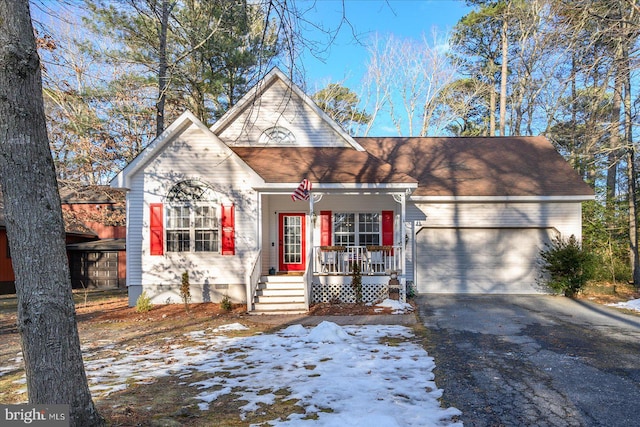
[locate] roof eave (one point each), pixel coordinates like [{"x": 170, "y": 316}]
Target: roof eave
[
  {"x": 334, "y": 187},
  {"x": 523, "y": 199}
]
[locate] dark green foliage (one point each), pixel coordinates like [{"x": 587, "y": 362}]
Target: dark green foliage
[
  {"x": 341, "y": 104},
  {"x": 356, "y": 281},
  {"x": 225, "y": 303},
  {"x": 215, "y": 50},
  {"x": 567, "y": 265},
  {"x": 411, "y": 290}
]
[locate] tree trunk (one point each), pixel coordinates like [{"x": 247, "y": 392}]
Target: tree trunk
[
  {"x": 492, "y": 109},
  {"x": 46, "y": 313},
  {"x": 163, "y": 82},
  {"x": 503, "y": 78},
  {"x": 634, "y": 255},
  {"x": 614, "y": 141}
]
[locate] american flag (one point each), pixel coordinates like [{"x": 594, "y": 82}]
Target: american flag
[{"x": 303, "y": 191}]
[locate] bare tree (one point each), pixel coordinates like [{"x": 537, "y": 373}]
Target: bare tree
[
  {"x": 46, "y": 313},
  {"x": 408, "y": 77},
  {"x": 98, "y": 115}
]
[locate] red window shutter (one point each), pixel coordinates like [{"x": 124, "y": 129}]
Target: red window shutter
[
  {"x": 227, "y": 223},
  {"x": 156, "y": 229},
  {"x": 387, "y": 227},
  {"x": 325, "y": 228}
]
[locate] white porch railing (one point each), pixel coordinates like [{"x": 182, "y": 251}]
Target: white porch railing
[
  {"x": 372, "y": 260},
  {"x": 253, "y": 278}
]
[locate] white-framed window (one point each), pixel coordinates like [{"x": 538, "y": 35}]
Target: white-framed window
[
  {"x": 192, "y": 218},
  {"x": 277, "y": 135},
  {"x": 356, "y": 229}
]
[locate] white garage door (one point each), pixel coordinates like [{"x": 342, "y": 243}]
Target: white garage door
[{"x": 479, "y": 260}]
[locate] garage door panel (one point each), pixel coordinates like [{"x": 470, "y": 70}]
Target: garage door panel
[{"x": 479, "y": 260}]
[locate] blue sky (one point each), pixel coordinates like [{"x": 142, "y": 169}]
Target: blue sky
[{"x": 346, "y": 57}]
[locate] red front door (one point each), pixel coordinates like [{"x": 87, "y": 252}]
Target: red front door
[{"x": 291, "y": 235}]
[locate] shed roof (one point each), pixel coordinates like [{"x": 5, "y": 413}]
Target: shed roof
[
  {"x": 480, "y": 166},
  {"x": 73, "y": 193}
]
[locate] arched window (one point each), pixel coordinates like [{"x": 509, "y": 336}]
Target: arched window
[
  {"x": 192, "y": 218},
  {"x": 277, "y": 135}
]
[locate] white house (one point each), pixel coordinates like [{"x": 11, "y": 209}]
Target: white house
[{"x": 447, "y": 215}]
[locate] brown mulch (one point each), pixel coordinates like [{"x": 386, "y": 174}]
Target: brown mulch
[
  {"x": 345, "y": 309},
  {"x": 117, "y": 311}
]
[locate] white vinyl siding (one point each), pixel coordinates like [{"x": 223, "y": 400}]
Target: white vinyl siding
[
  {"x": 565, "y": 216},
  {"x": 279, "y": 106},
  {"x": 191, "y": 154}
]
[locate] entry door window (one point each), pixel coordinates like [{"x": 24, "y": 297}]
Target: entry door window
[
  {"x": 292, "y": 239},
  {"x": 292, "y": 242}
]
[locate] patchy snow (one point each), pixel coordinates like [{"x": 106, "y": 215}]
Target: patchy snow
[
  {"x": 346, "y": 375},
  {"x": 397, "y": 307},
  {"x": 231, "y": 327},
  {"x": 353, "y": 375},
  {"x": 633, "y": 304}
]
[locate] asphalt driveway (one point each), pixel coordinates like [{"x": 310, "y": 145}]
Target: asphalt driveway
[{"x": 534, "y": 360}]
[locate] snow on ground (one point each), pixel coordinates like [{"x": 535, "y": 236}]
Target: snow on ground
[
  {"x": 633, "y": 304},
  {"x": 356, "y": 376},
  {"x": 397, "y": 307},
  {"x": 351, "y": 371}
]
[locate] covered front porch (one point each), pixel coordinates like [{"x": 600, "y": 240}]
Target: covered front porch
[{"x": 345, "y": 248}]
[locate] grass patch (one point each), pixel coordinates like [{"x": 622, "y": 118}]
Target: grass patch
[
  {"x": 392, "y": 341},
  {"x": 608, "y": 293},
  {"x": 14, "y": 386}
]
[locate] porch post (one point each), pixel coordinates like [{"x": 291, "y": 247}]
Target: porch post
[
  {"x": 402, "y": 199},
  {"x": 310, "y": 260},
  {"x": 403, "y": 277}
]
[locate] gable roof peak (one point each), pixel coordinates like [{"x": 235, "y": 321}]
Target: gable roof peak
[
  {"x": 121, "y": 180},
  {"x": 261, "y": 87}
]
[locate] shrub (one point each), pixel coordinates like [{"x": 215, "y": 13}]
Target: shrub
[
  {"x": 567, "y": 265},
  {"x": 185, "y": 291},
  {"x": 356, "y": 281},
  {"x": 143, "y": 303},
  {"x": 225, "y": 303},
  {"x": 411, "y": 290}
]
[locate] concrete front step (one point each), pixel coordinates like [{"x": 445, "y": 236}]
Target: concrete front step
[
  {"x": 278, "y": 292},
  {"x": 281, "y": 286},
  {"x": 278, "y": 308},
  {"x": 281, "y": 279},
  {"x": 280, "y": 299}
]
